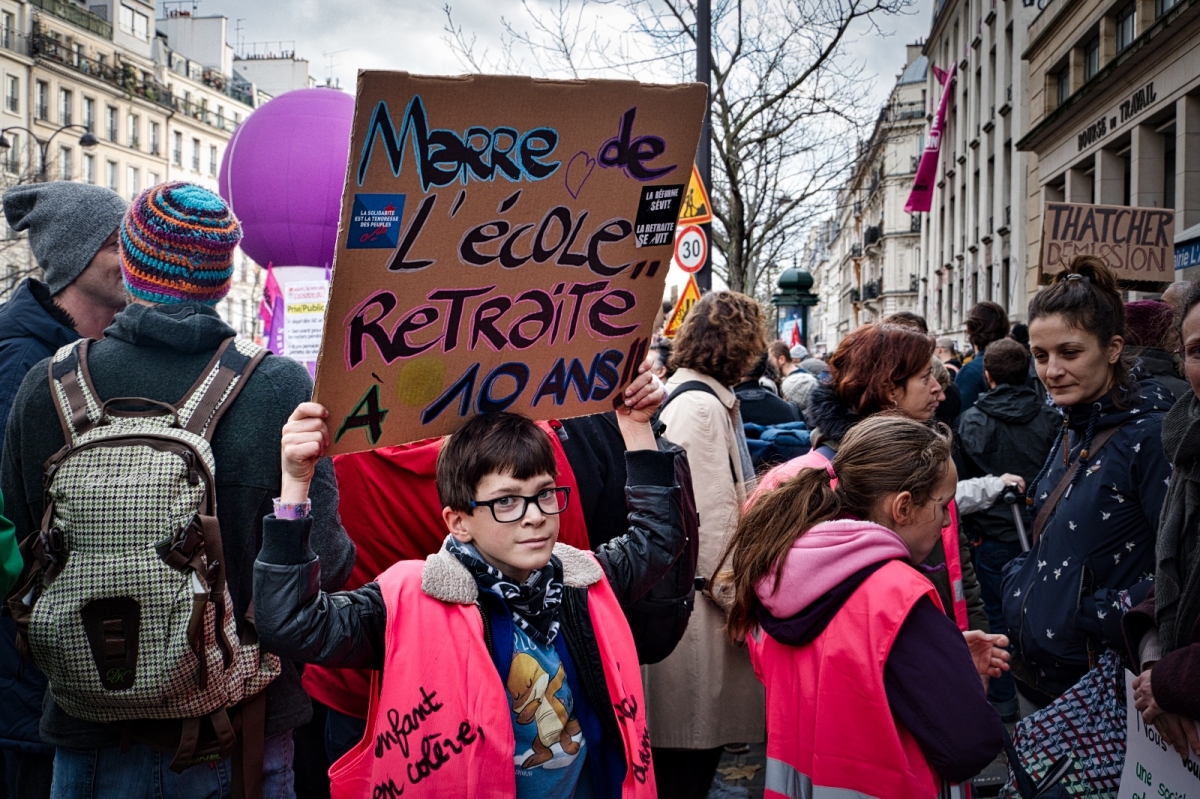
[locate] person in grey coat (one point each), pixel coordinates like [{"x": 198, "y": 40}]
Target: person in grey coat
[{"x": 72, "y": 231}]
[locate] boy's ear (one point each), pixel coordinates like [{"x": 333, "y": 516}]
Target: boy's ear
[
  {"x": 456, "y": 523},
  {"x": 988, "y": 377}
]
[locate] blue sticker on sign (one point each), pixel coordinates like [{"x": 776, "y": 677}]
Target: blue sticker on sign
[{"x": 375, "y": 221}]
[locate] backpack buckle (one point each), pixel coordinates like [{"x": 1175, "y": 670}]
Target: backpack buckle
[{"x": 183, "y": 550}]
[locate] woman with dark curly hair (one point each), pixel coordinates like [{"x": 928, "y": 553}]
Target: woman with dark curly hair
[{"x": 705, "y": 694}]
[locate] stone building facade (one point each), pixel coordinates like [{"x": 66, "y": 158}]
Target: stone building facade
[
  {"x": 161, "y": 96},
  {"x": 1114, "y": 110},
  {"x": 873, "y": 250},
  {"x": 972, "y": 241}
]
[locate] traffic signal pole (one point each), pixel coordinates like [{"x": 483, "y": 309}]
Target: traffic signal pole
[{"x": 704, "y": 152}]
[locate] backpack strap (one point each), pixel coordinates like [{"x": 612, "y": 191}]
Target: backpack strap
[
  {"x": 219, "y": 385},
  {"x": 683, "y": 388},
  {"x": 73, "y": 391},
  {"x": 1047, "y": 510}
]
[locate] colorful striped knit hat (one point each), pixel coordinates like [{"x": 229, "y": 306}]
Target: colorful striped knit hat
[{"x": 177, "y": 243}]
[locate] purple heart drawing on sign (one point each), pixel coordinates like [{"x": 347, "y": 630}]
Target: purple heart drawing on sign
[{"x": 579, "y": 169}]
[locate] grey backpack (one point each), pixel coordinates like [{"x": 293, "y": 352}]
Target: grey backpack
[{"x": 126, "y": 609}]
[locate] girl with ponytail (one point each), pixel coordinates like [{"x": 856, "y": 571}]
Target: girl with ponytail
[
  {"x": 1097, "y": 500},
  {"x": 871, "y": 688}
]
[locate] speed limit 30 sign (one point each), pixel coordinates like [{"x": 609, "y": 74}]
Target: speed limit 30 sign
[{"x": 691, "y": 248}]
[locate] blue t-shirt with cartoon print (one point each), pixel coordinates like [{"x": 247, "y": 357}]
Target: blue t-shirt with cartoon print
[{"x": 551, "y": 750}]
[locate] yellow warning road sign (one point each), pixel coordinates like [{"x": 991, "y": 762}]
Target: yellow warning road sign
[
  {"x": 695, "y": 208},
  {"x": 691, "y": 293}
]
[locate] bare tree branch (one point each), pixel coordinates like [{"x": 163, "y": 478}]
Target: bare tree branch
[{"x": 786, "y": 98}]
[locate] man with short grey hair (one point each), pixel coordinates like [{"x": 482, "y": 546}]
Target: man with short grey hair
[
  {"x": 73, "y": 235},
  {"x": 946, "y": 351}
]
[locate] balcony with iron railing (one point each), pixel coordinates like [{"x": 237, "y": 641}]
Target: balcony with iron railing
[
  {"x": 123, "y": 76},
  {"x": 200, "y": 112},
  {"x": 229, "y": 85},
  {"x": 901, "y": 111},
  {"x": 76, "y": 15}
]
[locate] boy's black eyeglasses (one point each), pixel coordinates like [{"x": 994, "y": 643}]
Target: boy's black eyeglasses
[{"x": 513, "y": 508}]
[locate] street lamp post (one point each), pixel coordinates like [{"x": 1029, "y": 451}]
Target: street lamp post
[{"x": 86, "y": 141}]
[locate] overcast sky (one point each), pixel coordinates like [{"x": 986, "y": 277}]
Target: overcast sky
[{"x": 408, "y": 34}]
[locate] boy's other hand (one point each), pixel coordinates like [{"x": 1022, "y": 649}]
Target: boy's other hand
[
  {"x": 304, "y": 439},
  {"x": 640, "y": 401}
]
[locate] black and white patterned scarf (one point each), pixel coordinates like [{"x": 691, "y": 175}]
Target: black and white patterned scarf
[{"x": 534, "y": 603}]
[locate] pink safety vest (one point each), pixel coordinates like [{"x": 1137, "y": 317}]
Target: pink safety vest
[
  {"x": 439, "y": 722},
  {"x": 815, "y": 460},
  {"x": 829, "y": 725}
]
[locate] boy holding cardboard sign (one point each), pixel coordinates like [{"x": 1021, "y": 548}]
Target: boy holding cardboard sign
[{"x": 501, "y": 599}]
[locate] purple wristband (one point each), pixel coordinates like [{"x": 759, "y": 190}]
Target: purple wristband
[{"x": 292, "y": 510}]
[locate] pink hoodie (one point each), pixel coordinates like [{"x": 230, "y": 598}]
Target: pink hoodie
[{"x": 823, "y": 558}]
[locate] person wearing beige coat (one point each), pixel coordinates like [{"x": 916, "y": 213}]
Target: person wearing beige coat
[{"x": 705, "y": 694}]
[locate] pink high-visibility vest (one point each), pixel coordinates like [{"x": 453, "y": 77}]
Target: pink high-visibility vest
[
  {"x": 815, "y": 460},
  {"x": 439, "y": 722},
  {"x": 830, "y": 730}
]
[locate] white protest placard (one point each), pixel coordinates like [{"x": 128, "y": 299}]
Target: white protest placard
[
  {"x": 303, "y": 318},
  {"x": 1152, "y": 768}
]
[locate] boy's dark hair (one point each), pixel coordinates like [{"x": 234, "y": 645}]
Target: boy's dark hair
[
  {"x": 493, "y": 443},
  {"x": 1007, "y": 362},
  {"x": 986, "y": 322},
  {"x": 757, "y": 369}
]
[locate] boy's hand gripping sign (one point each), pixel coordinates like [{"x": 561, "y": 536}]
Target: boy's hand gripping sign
[{"x": 503, "y": 246}]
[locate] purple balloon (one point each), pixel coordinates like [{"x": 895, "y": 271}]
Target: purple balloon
[{"x": 283, "y": 173}]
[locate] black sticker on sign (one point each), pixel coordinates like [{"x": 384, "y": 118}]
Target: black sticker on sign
[{"x": 657, "y": 211}]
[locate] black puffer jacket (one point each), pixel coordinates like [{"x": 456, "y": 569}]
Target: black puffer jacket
[
  {"x": 295, "y": 619},
  {"x": 1008, "y": 431}
]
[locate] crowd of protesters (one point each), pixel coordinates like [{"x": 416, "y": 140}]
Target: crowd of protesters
[{"x": 870, "y": 561}]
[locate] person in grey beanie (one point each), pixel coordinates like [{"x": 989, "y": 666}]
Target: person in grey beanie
[{"x": 72, "y": 231}]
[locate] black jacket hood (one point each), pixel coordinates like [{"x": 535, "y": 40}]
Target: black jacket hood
[
  {"x": 1012, "y": 404},
  {"x": 828, "y": 414},
  {"x": 183, "y": 327}
]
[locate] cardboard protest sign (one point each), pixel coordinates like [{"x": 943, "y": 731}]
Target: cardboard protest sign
[
  {"x": 1152, "y": 768},
  {"x": 503, "y": 246},
  {"x": 1136, "y": 243}
]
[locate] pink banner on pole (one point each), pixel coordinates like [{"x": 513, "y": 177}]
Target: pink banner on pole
[
  {"x": 921, "y": 198},
  {"x": 271, "y": 292}
]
